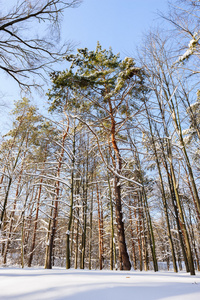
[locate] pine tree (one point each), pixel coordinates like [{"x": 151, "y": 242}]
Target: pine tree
[{"x": 103, "y": 89}]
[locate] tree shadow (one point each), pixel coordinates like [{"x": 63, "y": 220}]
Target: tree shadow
[{"x": 128, "y": 286}]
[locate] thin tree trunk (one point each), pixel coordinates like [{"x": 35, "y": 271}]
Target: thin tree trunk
[
  {"x": 47, "y": 239},
  {"x": 29, "y": 220},
  {"x": 112, "y": 236},
  {"x": 173, "y": 189},
  {"x": 146, "y": 206},
  {"x": 77, "y": 230},
  {"x": 55, "y": 210},
  {"x": 100, "y": 230},
  {"x": 83, "y": 238},
  {"x": 132, "y": 237},
  {"x": 193, "y": 240},
  {"x": 10, "y": 182},
  {"x": 71, "y": 202},
  {"x": 85, "y": 200},
  {"x": 12, "y": 219},
  {"x": 187, "y": 242},
  {"x": 77, "y": 241},
  {"x": 144, "y": 240},
  {"x": 35, "y": 225},
  {"x": 163, "y": 194},
  {"x": 36, "y": 215},
  {"x": 136, "y": 212},
  {"x": 22, "y": 231},
  {"x": 176, "y": 119},
  {"x": 90, "y": 232}
]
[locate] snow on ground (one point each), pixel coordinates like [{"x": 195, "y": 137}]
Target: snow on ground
[{"x": 63, "y": 284}]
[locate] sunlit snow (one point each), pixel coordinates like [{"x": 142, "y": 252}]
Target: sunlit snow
[{"x": 63, "y": 284}]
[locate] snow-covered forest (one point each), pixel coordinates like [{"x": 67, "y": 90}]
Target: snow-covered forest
[{"x": 109, "y": 177}]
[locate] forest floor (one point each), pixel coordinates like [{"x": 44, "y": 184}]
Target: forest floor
[{"x": 37, "y": 283}]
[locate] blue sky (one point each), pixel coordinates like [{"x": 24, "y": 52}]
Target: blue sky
[{"x": 116, "y": 23}]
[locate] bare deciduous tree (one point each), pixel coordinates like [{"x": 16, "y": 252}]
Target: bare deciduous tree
[{"x": 29, "y": 34}]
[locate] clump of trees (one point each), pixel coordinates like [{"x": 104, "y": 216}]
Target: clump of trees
[{"x": 110, "y": 179}]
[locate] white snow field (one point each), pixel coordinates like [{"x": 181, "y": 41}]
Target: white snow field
[{"x": 63, "y": 284}]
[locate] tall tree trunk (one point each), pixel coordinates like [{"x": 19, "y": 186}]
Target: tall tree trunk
[
  {"x": 90, "y": 232},
  {"x": 173, "y": 189},
  {"x": 145, "y": 203},
  {"x": 112, "y": 236},
  {"x": 144, "y": 238},
  {"x": 123, "y": 253},
  {"x": 77, "y": 228},
  {"x": 48, "y": 238},
  {"x": 84, "y": 216},
  {"x": 138, "y": 236},
  {"x": 77, "y": 241},
  {"x": 10, "y": 181},
  {"x": 192, "y": 238},
  {"x": 164, "y": 200},
  {"x": 151, "y": 233},
  {"x": 100, "y": 229},
  {"x": 22, "y": 230},
  {"x": 183, "y": 225},
  {"x": 176, "y": 119},
  {"x": 35, "y": 225},
  {"x": 29, "y": 219},
  {"x": 37, "y": 214},
  {"x": 55, "y": 210},
  {"x": 12, "y": 214},
  {"x": 85, "y": 204},
  {"x": 71, "y": 202},
  {"x": 132, "y": 237}
]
